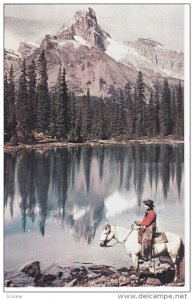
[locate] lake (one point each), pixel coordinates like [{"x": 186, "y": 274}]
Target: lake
[{"x": 57, "y": 201}]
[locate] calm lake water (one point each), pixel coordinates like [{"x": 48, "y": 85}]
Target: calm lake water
[{"x": 56, "y": 202}]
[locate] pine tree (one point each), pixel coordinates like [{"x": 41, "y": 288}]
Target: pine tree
[
  {"x": 179, "y": 129},
  {"x": 156, "y": 125},
  {"x": 116, "y": 126},
  {"x": 12, "y": 106},
  {"x": 112, "y": 118},
  {"x": 52, "y": 119},
  {"x": 130, "y": 109},
  {"x": 78, "y": 124},
  {"x": 140, "y": 106},
  {"x": 32, "y": 94},
  {"x": 150, "y": 116},
  {"x": 164, "y": 113},
  {"x": 7, "y": 132},
  {"x": 135, "y": 109},
  {"x": 87, "y": 117},
  {"x": 43, "y": 105},
  {"x": 72, "y": 110},
  {"x": 95, "y": 120},
  {"x": 72, "y": 118},
  {"x": 64, "y": 96},
  {"x": 120, "y": 121},
  {"x": 60, "y": 109},
  {"x": 173, "y": 117},
  {"x": 23, "y": 106},
  {"x": 100, "y": 128}
]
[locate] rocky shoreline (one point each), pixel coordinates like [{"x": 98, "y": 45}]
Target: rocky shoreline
[
  {"x": 89, "y": 275},
  {"x": 51, "y": 144}
]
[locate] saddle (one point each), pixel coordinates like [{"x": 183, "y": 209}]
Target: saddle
[
  {"x": 148, "y": 241},
  {"x": 159, "y": 237}
]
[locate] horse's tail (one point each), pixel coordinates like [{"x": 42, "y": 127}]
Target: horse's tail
[{"x": 181, "y": 262}]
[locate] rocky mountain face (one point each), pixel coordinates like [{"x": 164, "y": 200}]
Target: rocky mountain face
[
  {"x": 26, "y": 48},
  {"x": 168, "y": 61},
  {"x": 84, "y": 25},
  {"x": 96, "y": 61}
]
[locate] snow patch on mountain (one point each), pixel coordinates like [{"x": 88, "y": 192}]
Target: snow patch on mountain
[
  {"x": 126, "y": 55},
  {"x": 76, "y": 43},
  {"x": 81, "y": 41},
  {"x": 116, "y": 50},
  {"x": 66, "y": 43}
]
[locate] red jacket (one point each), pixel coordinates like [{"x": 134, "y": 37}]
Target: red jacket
[{"x": 149, "y": 219}]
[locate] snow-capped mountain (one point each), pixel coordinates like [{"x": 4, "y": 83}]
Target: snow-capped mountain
[{"x": 93, "y": 59}]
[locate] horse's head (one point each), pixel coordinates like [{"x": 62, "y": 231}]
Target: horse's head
[{"x": 106, "y": 236}]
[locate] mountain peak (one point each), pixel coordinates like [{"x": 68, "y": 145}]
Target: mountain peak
[
  {"x": 84, "y": 24},
  {"x": 87, "y": 12},
  {"x": 27, "y": 48},
  {"x": 94, "y": 60}
]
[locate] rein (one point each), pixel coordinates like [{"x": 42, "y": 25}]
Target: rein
[{"x": 132, "y": 228}]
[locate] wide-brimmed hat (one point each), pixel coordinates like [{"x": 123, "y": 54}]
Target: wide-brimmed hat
[{"x": 149, "y": 202}]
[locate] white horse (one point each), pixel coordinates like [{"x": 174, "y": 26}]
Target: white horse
[{"x": 128, "y": 238}]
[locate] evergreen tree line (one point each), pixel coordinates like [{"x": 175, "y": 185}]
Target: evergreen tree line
[{"x": 31, "y": 107}]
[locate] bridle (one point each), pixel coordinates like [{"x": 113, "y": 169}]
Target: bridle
[
  {"x": 105, "y": 241},
  {"x": 109, "y": 231},
  {"x": 132, "y": 228}
]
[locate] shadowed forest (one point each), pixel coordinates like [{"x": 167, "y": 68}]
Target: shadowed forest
[{"x": 31, "y": 107}]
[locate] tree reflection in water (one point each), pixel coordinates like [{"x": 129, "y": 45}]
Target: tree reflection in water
[
  {"x": 72, "y": 184},
  {"x": 9, "y": 180}
]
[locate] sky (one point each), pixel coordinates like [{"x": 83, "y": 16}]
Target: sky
[{"x": 127, "y": 22}]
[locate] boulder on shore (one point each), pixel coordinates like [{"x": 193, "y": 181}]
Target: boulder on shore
[{"x": 90, "y": 276}]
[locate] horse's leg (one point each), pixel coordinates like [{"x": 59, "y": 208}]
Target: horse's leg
[
  {"x": 174, "y": 260},
  {"x": 135, "y": 264}
]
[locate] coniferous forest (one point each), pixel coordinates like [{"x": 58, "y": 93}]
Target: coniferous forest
[{"x": 31, "y": 107}]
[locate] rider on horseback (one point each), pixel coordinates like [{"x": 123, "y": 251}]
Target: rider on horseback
[{"x": 147, "y": 229}]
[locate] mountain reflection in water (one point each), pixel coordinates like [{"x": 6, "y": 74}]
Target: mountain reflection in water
[{"x": 82, "y": 186}]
